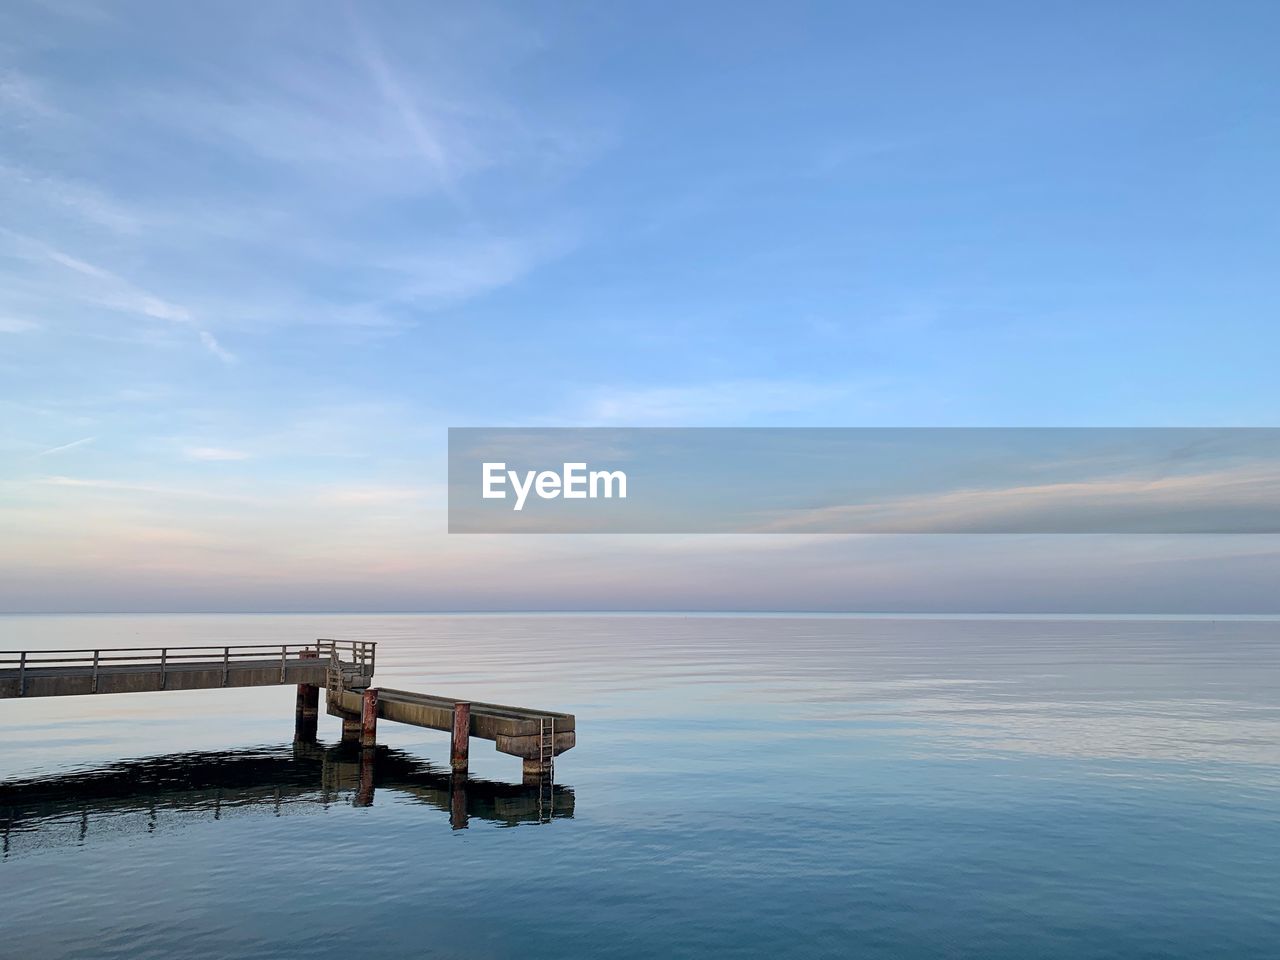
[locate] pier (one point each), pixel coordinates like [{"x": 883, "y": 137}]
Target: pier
[{"x": 343, "y": 668}]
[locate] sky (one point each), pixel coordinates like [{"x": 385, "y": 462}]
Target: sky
[{"x": 255, "y": 259}]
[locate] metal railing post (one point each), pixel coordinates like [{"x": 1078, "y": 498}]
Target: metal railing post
[
  {"x": 93, "y": 688},
  {"x": 22, "y": 674},
  {"x": 282, "y": 659},
  {"x": 164, "y": 660},
  {"x": 226, "y": 664}
]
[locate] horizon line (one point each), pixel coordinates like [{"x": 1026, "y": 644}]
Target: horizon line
[{"x": 904, "y": 614}]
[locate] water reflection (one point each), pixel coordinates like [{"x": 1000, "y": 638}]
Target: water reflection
[{"x": 142, "y": 796}]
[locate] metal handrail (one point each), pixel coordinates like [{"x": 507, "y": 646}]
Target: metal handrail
[
  {"x": 311, "y": 645},
  {"x": 360, "y": 652}
]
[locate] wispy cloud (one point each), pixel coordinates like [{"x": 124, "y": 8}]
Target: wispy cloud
[
  {"x": 49, "y": 195},
  {"x": 447, "y": 272},
  {"x": 22, "y": 97},
  {"x": 104, "y": 288},
  {"x": 214, "y": 453},
  {"x": 381, "y": 495},
  {"x": 1241, "y": 499},
  {"x": 213, "y": 346},
  {"x": 61, "y": 448},
  {"x": 351, "y": 105},
  {"x": 720, "y": 402},
  {"x": 421, "y": 133},
  {"x": 79, "y": 266},
  {"x": 150, "y": 489},
  {"x": 333, "y": 150},
  {"x": 15, "y": 325}
]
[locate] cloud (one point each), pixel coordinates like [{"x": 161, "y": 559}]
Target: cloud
[
  {"x": 156, "y": 490},
  {"x": 66, "y": 446},
  {"x": 464, "y": 268},
  {"x": 163, "y": 310},
  {"x": 335, "y": 109},
  {"x": 728, "y": 401},
  {"x": 107, "y": 289},
  {"x": 212, "y": 345},
  {"x": 422, "y": 134},
  {"x": 14, "y": 325},
  {"x": 1240, "y": 500},
  {"x": 81, "y": 267},
  {"x": 315, "y": 180},
  {"x": 21, "y": 96},
  {"x": 361, "y": 496},
  {"x": 46, "y": 193},
  {"x": 214, "y": 453}
]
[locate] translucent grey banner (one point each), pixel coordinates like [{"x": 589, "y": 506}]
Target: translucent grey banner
[{"x": 873, "y": 480}]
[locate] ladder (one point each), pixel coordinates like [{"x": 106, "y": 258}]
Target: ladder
[
  {"x": 546, "y": 760},
  {"x": 333, "y": 679}
]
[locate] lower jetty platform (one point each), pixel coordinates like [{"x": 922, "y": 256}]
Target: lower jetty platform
[{"x": 344, "y": 668}]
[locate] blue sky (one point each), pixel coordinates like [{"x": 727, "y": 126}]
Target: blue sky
[{"x": 254, "y": 262}]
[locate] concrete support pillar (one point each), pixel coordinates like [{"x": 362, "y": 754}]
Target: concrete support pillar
[
  {"x": 461, "y": 743},
  {"x": 306, "y": 711},
  {"x": 308, "y": 701},
  {"x": 369, "y": 718},
  {"x": 305, "y": 728},
  {"x": 534, "y": 771},
  {"x": 350, "y": 729}
]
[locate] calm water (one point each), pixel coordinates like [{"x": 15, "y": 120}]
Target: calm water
[{"x": 743, "y": 786}]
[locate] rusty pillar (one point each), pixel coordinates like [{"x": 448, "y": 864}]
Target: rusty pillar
[
  {"x": 461, "y": 745},
  {"x": 369, "y": 718},
  {"x": 458, "y": 801}
]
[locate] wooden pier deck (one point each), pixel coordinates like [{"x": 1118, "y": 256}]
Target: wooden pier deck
[
  {"x": 68, "y": 673},
  {"x": 343, "y": 668}
]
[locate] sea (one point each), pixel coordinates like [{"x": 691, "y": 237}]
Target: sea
[{"x": 742, "y": 786}]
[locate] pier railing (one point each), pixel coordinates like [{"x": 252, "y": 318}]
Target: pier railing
[
  {"x": 358, "y": 652},
  {"x": 362, "y": 653}
]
